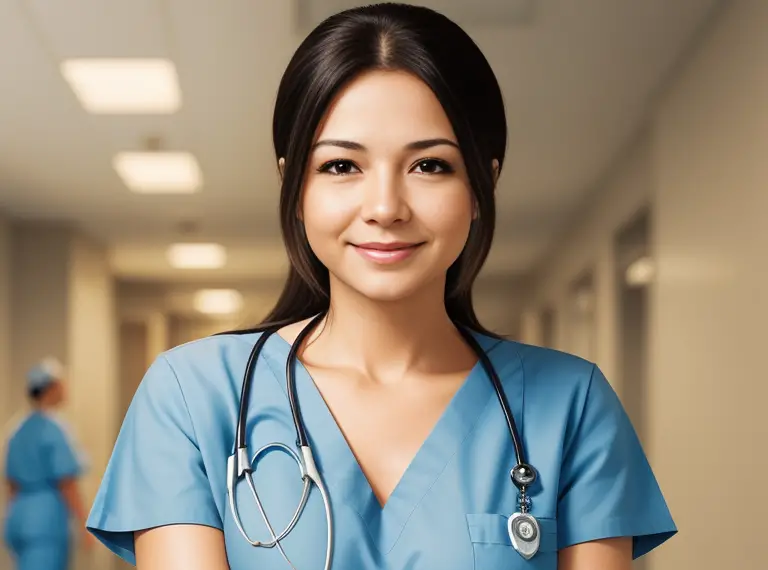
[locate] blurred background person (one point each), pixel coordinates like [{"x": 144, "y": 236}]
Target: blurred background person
[{"x": 42, "y": 468}]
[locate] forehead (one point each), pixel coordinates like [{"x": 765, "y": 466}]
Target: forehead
[{"x": 386, "y": 106}]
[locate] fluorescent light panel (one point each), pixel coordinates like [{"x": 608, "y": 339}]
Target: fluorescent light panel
[
  {"x": 159, "y": 172},
  {"x": 197, "y": 256},
  {"x": 218, "y": 301},
  {"x": 124, "y": 86}
]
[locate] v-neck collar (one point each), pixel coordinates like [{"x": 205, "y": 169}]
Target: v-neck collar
[{"x": 342, "y": 472}]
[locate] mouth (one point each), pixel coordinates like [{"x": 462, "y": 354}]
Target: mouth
[{"x": 384, "y": 253}]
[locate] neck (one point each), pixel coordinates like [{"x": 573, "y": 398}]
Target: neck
[{"x": 388, "y": 338}]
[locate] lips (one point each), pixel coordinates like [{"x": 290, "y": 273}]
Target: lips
[
  {"x": 390, "y": 246},
  {"x": 387, "y": 253}
]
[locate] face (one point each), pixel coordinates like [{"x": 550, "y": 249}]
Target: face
[
  {"x": 387, "y": 205},
  {"x": 56, "y": 393}
]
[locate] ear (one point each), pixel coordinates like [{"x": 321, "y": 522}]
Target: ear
[
  {"x": 281, "y": 169},
  {"x": 496, "y": 171}
]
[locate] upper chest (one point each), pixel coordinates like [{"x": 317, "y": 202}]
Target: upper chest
[{"x": 385, "y": 425}]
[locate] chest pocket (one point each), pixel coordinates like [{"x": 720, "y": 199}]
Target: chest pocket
[{"x": 493, "y": 550}]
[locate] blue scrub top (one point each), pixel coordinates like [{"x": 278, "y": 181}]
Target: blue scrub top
[
  {"x": 449, "y": 510},
  {"x": 39, "y": 456}
]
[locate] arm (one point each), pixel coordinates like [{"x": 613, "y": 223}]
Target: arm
[
  {"x": 12, "y": 490},
  {"x": 609, "y": 554},
  {"x": 70, "y": 492},
  {"x": 181, "y": 547}
]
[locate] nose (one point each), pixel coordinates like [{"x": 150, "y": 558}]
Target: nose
[{"x": 384, "y": 201}]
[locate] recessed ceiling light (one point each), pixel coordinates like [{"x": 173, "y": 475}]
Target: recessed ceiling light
[
  {"x": 159, "y": 172},
  {"x": 124, "y": 86},
  {"x": 218, "y": 301},
  {"x": 197, "y": 256},
  {"x": 640, "y": 272}
]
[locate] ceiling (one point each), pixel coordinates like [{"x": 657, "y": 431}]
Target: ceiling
[{"x": 577, "y": 78}]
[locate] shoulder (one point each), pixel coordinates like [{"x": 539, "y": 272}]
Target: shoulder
[
  {"x": 216, "y": 347},
  {"x": 556, "y": 388},
  {"x": 205, "y": 370},
  {"x": 546, "y": 368},
  {"x": 213, "y": 354},
  {"x": 37, "y": 427},
  {"x": 15, "y": 426},
  {"x": 55, "y": 426}
]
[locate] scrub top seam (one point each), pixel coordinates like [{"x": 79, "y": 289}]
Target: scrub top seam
[
  {"x": 567, "y": 452},
  {"x": 195, "y": 442},
  {"x": 522, "y": 390},
  {"x": 184, "y": 399},
  {"x": 275, "y": 375}
]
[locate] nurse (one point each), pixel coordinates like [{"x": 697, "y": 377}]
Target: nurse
[
  {"x": 42, "y": 468},
  {"x": 390, "y": 133}
]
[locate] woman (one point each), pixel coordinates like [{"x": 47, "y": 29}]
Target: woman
[
  {"x": 389, "y": 131},
  {"x": 42, "y": 468}
]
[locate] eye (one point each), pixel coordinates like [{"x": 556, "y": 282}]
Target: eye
[
  {"x": 339, "y": 167},
  {"x": 432, "y": 166}
]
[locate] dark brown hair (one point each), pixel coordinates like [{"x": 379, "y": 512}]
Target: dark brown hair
[{"x": 386, "y": 36}]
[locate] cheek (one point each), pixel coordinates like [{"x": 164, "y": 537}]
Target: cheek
[
  {"x": 326, "y": 215},
  {"x": 449, "y": 218}
]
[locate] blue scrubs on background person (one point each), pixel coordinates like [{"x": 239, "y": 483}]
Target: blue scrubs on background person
[
  {"x": 448, "y": 511},
  {"x": 40, "y": 455}
]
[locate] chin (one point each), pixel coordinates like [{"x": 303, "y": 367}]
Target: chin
[{"x": 386, "y": 288}]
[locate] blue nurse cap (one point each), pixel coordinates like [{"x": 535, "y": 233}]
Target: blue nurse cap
[{"x": 44, "y": 373}]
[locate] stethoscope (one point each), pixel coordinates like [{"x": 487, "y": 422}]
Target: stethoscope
[{"x": 523, "y": 528}]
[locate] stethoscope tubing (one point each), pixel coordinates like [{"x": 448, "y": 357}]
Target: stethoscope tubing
[{"x": 241, "y": 465}]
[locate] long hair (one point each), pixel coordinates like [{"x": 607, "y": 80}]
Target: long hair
[{"x": 386, "y": 36}]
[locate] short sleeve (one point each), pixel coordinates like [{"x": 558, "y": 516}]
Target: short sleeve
[
  {"x": 60, "y": 455},
  {"x": 607, "y": 488},
  {"x": 156, "y": 475}
]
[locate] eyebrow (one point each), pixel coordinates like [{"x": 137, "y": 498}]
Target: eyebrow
[{"x": 416, "y": 145}]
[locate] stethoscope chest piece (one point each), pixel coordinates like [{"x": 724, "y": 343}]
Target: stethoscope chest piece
[{"x": 524, "y": 532}]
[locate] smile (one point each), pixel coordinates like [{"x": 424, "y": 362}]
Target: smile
[{"x": 386, "y": 253}]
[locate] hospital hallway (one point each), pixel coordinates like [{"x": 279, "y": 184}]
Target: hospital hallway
[{"x": 139, "y": 211}]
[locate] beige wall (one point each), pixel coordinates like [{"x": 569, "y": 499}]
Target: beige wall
[
  {"x": 702, "y": 165},
  {"x": 92, "y": 355},
  {"x": 5, "y": 320},
  {"x": 133, "y": 361},
  {"x": 589, "y": 246},
  {"x": 183, "y": 329},
  {"x": 156, "y": 325},
  {"x": 498, "y": 302},
  {"x": 708, "y": 391},
  {"x": 39, "y": 293}
]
